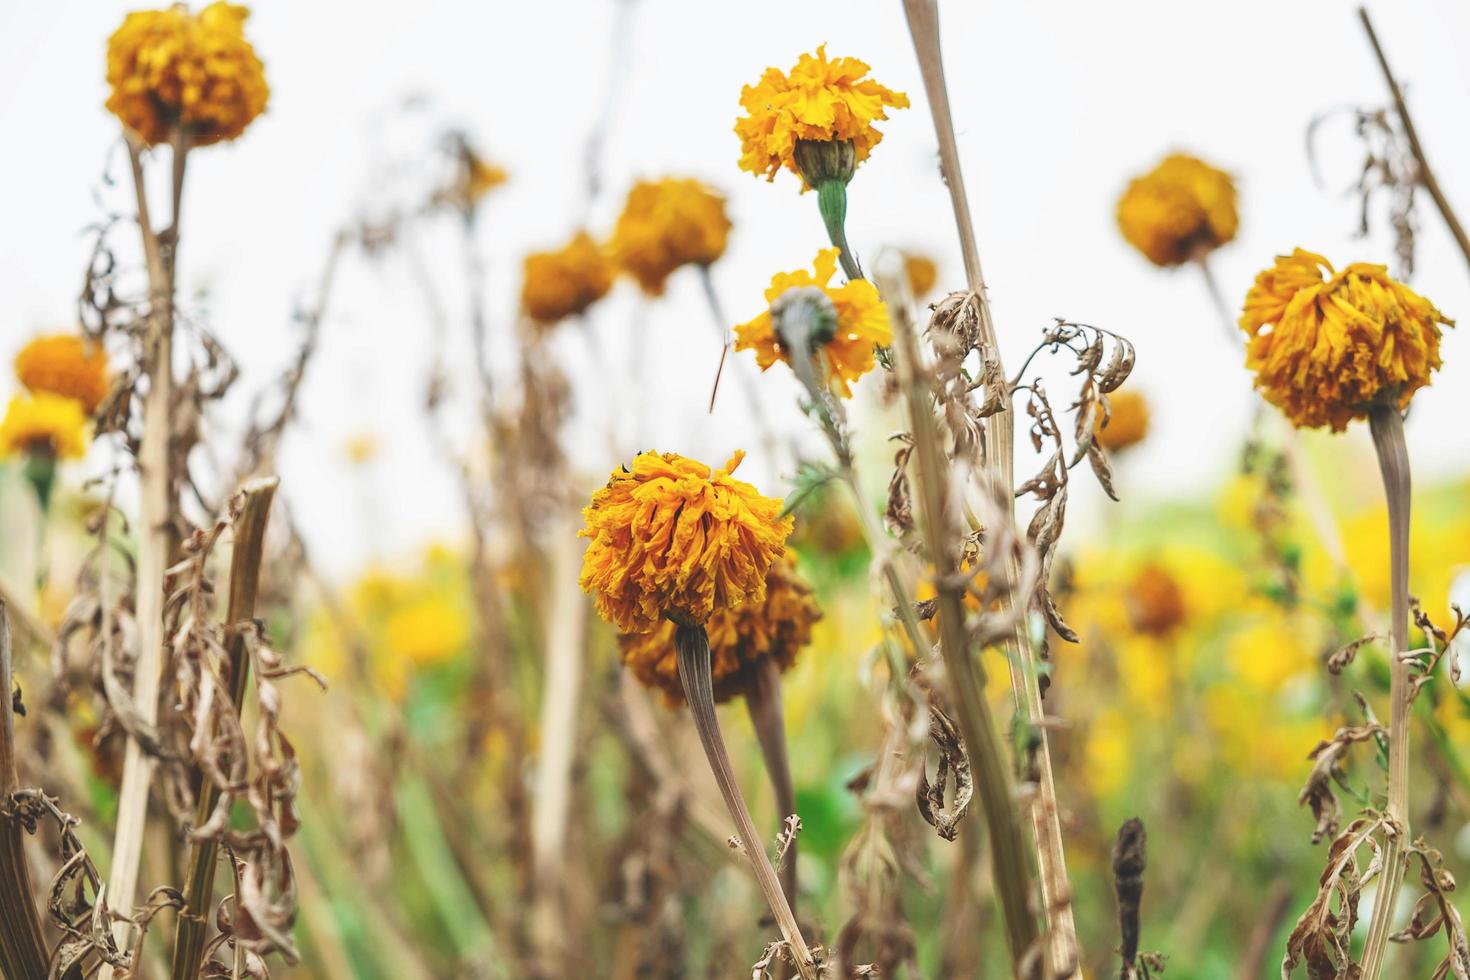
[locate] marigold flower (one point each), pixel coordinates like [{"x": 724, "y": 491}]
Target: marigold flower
[
  {"x": 922, "y": 273},
  {"x": 565, "y": 282},
  {"x": 65, "y": 364},
  {"x": 821, "y": 100},
  {"x": 862, "y": 323},
  {"x": 674, "y": 538},
  {"x": 667, "y": 224},
  {"x": 1179, "y": 210},
  {"x": 427, "y": 631},
  {"x": 1155, "y": 602},
  {"x": 1327, "y": 349},
  {"x": 1127, "y": 422},
  {"x": 739, "y": 638},
  {"x": 171, "y": 68},
  {"x": 44, "y": 423}
]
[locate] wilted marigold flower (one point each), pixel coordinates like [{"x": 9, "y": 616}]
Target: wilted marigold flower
[
  {"x": 565, "y": 282},
  {"x": 66, "y": 365},
  {"x": 1127, "y": 422},
  {"x": 673, "y": 538},
  {"x": 739, "y": 638},
  {"x": 44, "y": 423},
  {"x": 171, "y": 68},
  {"x": 1178, "y": 211},
  {"x": 667, "y": 224},
  {"x": 820, "y": 100},
  {"x": 1326, "y": 349},
  {"x": 1155, "y": 602},
  {"x": 862, "y": 323}
]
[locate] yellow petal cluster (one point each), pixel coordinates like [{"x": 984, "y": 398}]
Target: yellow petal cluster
[
  {"x": 1327, "y": 346},
  {"x": 1179, "y": 210},
  {"x": 667, "y": 224},
  {"x": 1127, "y": 422},
  {"x": 739, "y": 638},
  {"x": 675, "y": 538},
  {"x": 44, "y": 422},
  {"x": 171, "y": 68},
  {"x": 862, "y": 323},
  {"x": 65, "y": 364},
  {"x": 819, "y": 99},
  {"x": 567, "y": 281},
  {"x": 922, "y": 273}
]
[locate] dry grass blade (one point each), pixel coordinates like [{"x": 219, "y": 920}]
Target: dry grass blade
[{"x": 22, "y": 943}]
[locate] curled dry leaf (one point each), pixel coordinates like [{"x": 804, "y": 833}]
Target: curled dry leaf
[
  {"x": 1327, "y": 760},
  {"x": 1322, "y": 937}
]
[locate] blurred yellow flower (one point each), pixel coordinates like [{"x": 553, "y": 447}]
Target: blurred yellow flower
[
  {"x": 170, "y": 68},
  {"x": 667, "y": 224},
  {"x": 428, "y": 630},
  {"x": 1178, "y": 211},
  {"x": 1108, "y": 752},
  {"x": 1327, "y": 349},
  {"x": 1127, "y": 424},
  {"x": 482, "y": 177},
  {"x": 44, "y": 423},
  {"x": 66, "y": 365},
  {"x": 1155, "y": 601},
  {"x": 567, "y": 281},
  {"x": 862, "y": 323},
  {"x": 922, "y": 273},
  {"x": 1269, "y": 652},
  {"x": 361, "y": 448}
]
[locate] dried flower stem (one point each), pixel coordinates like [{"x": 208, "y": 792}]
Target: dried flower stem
[
  {"x": 1387, "y": 425},
  {"x": 763, "y": 701},
  {"x": 691, "y": 645},
  {"x": 22, "y": 943},
  {"x": 251, "y": 516},
  {"x": 1130, "y": 858},
  {"x": 1233, "y": 335}
]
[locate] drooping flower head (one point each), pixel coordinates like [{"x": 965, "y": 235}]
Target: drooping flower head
[
  {"x": 673, "y": 538},
  {"x": 65, "y": 364},
  {"x": 44, "y": 424},
  {"x": 170, "y": 68},
  {"x": 567, "y": 281},
  {"x": 667, "y": 224},
  {"x": 739, "y": 638},
  {"x": 1127, "y": 422},
  {"x": 862, "y": 323},
  {"x": 1178, "y": 211},
  {"x": 819, "y": 100},
  {"x": 1328, "y": 346}
]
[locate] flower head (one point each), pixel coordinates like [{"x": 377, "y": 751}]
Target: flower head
[
  {"x": 65, "y": 364},
  {"x": 922, "y": 273},
  {"x": 428, "y": 629},
  {"x": 565, "y": 282},
  {"x": 171, "y": 68},
  {"x": 667, "y": 224},
  {"x": 1179, "y": 209},
  {"x": 1327, "y": 348},
  {"x": 673, "y": 538},
  {"x": 44, "y": 423},
  {"x": 1155, "y": 602},
  {"x": 1127, "y": 422},
  {"x": 739, "y": 638},
  {"x": 862, "y": 323},
  {"x": 818, "y": 100}
]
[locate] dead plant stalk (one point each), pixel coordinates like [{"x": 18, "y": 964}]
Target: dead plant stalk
[{"x": 22, "y": 943}]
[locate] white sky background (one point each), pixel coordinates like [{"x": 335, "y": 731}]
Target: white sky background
[{"x": 1056, "y": 103}]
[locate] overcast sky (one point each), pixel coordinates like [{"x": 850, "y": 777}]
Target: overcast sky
[{"x": 1057, "y": 105}]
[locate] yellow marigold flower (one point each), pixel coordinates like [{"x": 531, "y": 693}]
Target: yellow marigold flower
[
  {"x": 674, "y": 538},
  {"x": 820, "y": 100},
  {"x": 667, "y": 224},
  {"x": 1155, "y": 602},
  {"x": 46, "y": 423},
  {"x": 1127, "y": 424},
  {"x": 427, "y": 631},
  {"x": 739, "y": 638},
  {"x": 565, "y": 282},
  {"x": 65, "y": 365},
  {"x": 1182, "y": 208},
  {"x": 1327, "y": 349},
  {"x": 171, "y": 68},
  {"x": 922, "y": 273},
  {"x": 862, "y": 323}
]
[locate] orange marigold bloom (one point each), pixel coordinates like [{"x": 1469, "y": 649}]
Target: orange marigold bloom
[
  {"x": 1127, "y": 424},
  {"x": 44, "y": 423},
  {"x": 739, "y": 638},
  {"x": 922, "y": 273},
  {"x": 673, "y": 538},
  {"x": 818, "y": 100},
  {"x": 862, "y": 323},
  {"x": 1155, "y": 602},
  {"x": 171, "y": 68},
  {"x": 1179, "y": 210},
  {"x": 667, "y": 224},
  {"x": 67, "y": 365},
  {"x": 1327, "y": 348},
  {"x": 566, "y": 282}
]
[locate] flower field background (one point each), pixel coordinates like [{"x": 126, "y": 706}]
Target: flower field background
[{"x": 907, "y": 491}]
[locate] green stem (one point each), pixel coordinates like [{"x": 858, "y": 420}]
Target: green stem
[{"x": 832, "y": 203}]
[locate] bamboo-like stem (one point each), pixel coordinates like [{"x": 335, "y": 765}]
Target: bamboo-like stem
[
  {"x": 252, "y": 513},
  {"x": 1387, "y": 425},
  {"x": 691, "y": 646},
  {"x": 1426, "y": 174},
  {"x": 923, "y": 20},
  {"x": 22, "y": 942},
  {"x": 763, "y": 701}
]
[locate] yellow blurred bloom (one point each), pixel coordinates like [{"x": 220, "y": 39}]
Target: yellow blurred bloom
[
  {"x": 862, "y": 323},
  {"x": 565, "y": 282},
  {"x": 428, "y": 630},
  {"x": 361, "y": 448},
  {"x": 482, "y": 177},
  {"x": 44, "y": 423},
  {"x": 1327, "y": 349},
  {"x": 667, "y": 224},
  {"x": 1127, "y": 424},
  {"x": 922, "y": 273},
  {"x": 1108, "y": 752},
  {"x": 171, "y": 68},
  {"x": 1268, "y": 653},
  {"x": 672, "y": 537},
  {"x": 66, "y": 365},
  {"x": 1155, "y": 601},
  {"x": 1179, "y": 210},
  {"x": 820, "y": 100}
]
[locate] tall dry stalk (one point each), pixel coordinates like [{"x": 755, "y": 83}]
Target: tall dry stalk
[{"x": 23, "y": 952}]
